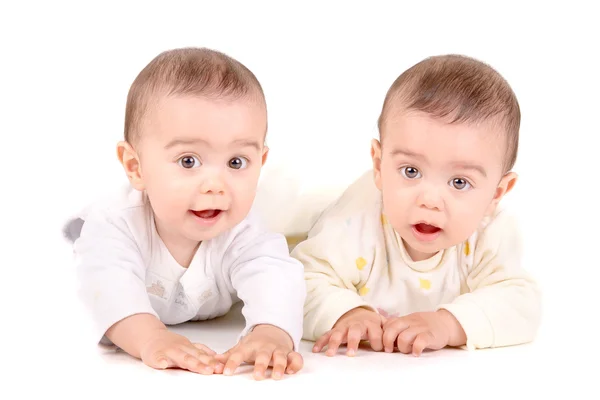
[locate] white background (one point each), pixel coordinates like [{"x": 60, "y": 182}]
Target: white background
[{"x": 325, "y": 68}]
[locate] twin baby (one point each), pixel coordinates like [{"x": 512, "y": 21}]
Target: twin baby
[{"x": 416, "y": 254}]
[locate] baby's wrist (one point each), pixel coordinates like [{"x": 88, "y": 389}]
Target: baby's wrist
[
  {"x": 134, "y": 333},
  {"x": 274, "y": 332},
  {"x": 353, "y": 313},
  {"x": 456, "y": 333}
]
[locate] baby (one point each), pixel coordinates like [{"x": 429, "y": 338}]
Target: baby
[
  {"x": 417, "y": 254},
  {"x": 181, "y": 242}
]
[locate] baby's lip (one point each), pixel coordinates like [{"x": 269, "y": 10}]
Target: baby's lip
[
  {"x": 207, "y": 213},
  {"x": 426, "y": 223},
  {"x": 200, "y": 209}
]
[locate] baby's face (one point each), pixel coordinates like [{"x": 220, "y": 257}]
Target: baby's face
[
  {"x": 438, "y": 180},
  {"x": 200, "y": 163}
]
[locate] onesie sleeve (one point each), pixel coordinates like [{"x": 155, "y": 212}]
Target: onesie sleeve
[
  {"x": 332, "y": 273},
  {"x": 267, "y": 280},
  {"x": 503, "y": 305},
  {"x": 110, "y": 272}
]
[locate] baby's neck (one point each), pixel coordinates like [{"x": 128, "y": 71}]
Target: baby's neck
[
  {"x": 417, "y": 255},
  {"x": 183, "y": 253},
  {"x": 181, "y": 249}
]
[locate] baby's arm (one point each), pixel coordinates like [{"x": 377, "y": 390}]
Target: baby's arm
[
  {"x": 504, "y": 306},
  {"x": 111, "y": 275},
  {"x": 331, "y": 276},
  {"x": 268, "y": 281},
  {"x": 271, "y": 286}
]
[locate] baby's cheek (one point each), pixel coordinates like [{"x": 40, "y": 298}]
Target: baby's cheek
[
  {"x": 168, "y": 191},
  {"x": 464, "y": 220},
  {"x": 395, "y": 206}
]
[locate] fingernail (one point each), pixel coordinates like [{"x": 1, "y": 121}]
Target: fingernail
[
  {"x": 315, "y": 349},
  {"x": 277, "y": 375},
  {"x": 351, "y": 353},
  {"x": 164, "y": 364},
  {"x": 227, "y": 371}
]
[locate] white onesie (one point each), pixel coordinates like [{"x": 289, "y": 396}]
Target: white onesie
[{"x": 124, "y": 268}]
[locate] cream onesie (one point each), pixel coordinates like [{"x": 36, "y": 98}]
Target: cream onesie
[{"x": 353, "y": 257}]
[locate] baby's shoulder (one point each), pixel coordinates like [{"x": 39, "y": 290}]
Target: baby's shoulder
[
  {"x": 496, "y": 232},
  {"x": 124, "y": 208},
  {"x": 358, "y": 207}
]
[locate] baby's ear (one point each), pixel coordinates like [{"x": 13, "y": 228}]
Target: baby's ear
[
  {"x": 376, "y": 157},
  {"x": 131, "y": 164},
  {"x": 506, "y": 184},
  {"x": 265, "y": 155}
]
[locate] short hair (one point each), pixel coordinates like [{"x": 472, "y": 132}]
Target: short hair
[
  {"x": 187, "y": 71},
  {"x": 462, "y": 90}
]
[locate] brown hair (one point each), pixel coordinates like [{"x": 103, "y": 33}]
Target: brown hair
[
  {"x": 187, "y": 71},
  {"x": 461, "y": 89}
]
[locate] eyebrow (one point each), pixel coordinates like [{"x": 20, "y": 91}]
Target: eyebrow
[
  {"x": 472, "y": 167},
  {"x": 463, "y": 166},
  {"x": 187, "y": 142},
  {"x": 406, "y": 153}
]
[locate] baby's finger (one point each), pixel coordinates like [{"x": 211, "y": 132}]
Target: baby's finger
[
  {"x": 337, "y": 337},
  {"x": 279, "y": 364},
  {"x": 406, "y": 339},
  {"x": 205, "y": 349},
  {"x": 422, "y": 341},
  {"x": 184, "y": 360},
  {"x": 236, "y": 358},
  {"x": 198, "y": 354},
  {"x": 355, "y": 334},
  {"x": 295, "y": 363},
  {"x": 219, "y": 367},
  {"x": 375, "y": 336},
  {"x": 261, "y": 363},
  {"x": 400, "y": 323},
  {"x": 390, "y": 334},
  {"x": 222, "y": 358},
  {"x": 321, "y": 342},
  {"x": 159, "y": 361}
]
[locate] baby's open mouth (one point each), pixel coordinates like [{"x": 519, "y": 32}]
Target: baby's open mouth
[
  {"x": 207, "y": 214},
  {"x": 426, "y": 228}
]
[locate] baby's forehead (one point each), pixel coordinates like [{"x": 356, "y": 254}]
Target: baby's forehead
[
  {"x": 420, "y": 133},
  {"x": 201, "y": 117},
  {"x": 412, "y": 121}
]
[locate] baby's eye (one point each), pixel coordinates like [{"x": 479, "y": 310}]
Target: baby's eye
[
  {"x": 460, "y": 184},
  {"x": 410, "y": 172},
  {"x": 238, "y": 163},
  {"x": 189, "y": 162}
]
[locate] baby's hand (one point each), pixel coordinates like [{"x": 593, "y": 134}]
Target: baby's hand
[
  {"x": 424, "y": 330},
  {"x": 265, "y": 346},
  {"x": 356, "y": 325},
  {"x": 166, "y": 349}
]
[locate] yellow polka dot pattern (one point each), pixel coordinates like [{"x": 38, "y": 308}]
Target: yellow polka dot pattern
[{"x": 360, "y": 263}]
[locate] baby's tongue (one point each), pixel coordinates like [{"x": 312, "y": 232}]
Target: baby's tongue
[
  {"x": 206, "y": 213},
  {"x": 425, "y": 228}
]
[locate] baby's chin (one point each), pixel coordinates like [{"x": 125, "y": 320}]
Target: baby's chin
[
  {"x": 424, "y": 249},
  {"x": 440, "y": 244},
  {"x": 199, "y": 231}
]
